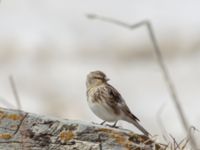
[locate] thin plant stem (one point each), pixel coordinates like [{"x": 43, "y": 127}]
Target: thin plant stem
[{"x": 15, "y": 93}]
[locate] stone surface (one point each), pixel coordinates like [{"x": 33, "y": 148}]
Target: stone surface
[{"x": 21, "y": 130}]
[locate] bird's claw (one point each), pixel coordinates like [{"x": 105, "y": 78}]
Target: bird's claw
[{"x": 113, "y": 126}]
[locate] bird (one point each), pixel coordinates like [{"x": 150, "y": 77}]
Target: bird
[{"x": 107, "y": 103}]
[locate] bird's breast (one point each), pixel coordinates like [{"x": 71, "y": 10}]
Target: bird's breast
[{"x": 99, "y": 106}]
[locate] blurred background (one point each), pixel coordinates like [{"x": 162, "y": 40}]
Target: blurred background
[{"x": 50, "y": 46}]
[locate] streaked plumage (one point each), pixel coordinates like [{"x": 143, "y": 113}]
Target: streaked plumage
[{"x": 106, "y": 102}]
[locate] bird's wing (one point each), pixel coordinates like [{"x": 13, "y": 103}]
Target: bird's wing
[{"x": 115, "y": 100}]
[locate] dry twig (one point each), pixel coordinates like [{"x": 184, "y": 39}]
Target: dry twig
[
  {"x": 15, "y": 93},
  {"x": 160, "y": 122}
]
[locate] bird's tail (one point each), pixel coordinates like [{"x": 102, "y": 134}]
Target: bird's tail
[{"x": 141, "y": 128}]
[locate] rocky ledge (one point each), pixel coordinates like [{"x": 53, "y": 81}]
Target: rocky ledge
[{"x": 23, "y": 131}]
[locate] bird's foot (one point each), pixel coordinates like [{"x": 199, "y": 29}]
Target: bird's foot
[
  {"x": 117, "y": 127},
  {"x": 102, "y": 123},
  {"x": 114, "y": 125},
  {"x": 99, "y": 123}
]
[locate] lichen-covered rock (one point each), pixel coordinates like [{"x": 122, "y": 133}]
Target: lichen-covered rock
[{"x": 21, "y": 130}]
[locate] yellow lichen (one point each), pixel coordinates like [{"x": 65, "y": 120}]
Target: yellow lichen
[
  {"x": 2, "y": 114},
  {"x": 122, "y": 139},
  {"x": 66, "y": 136},
  {"x": 129, "y": 145},
  {"x": 119, "y": 138},
  {"x": 105, "y": 130},
  {"x": 14, "y": 116},
  {"x": 5, "y": 136}
]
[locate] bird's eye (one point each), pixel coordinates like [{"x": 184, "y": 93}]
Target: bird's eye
[{"x": 98, "y": 78}]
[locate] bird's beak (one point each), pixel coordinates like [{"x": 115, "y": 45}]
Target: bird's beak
[{"x": 107, "y": 79}]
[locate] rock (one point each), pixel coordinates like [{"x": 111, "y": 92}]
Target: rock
[{"x": 21, "y": 130}]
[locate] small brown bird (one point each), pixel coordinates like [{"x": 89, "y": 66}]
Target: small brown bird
[{"x": 106, "y": 102}]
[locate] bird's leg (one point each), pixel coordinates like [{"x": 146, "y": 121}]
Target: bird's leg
[
  {"x": 114, "y": 125},
  {"x": 102, "y": 123}
]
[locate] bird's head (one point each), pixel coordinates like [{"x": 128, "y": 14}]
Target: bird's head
[{"x": 96, "y": 78}]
